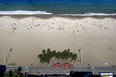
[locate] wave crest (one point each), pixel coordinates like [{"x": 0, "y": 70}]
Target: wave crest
[
  {"x": 93, "y": 14},
  {"x": 20, "y": 12}
]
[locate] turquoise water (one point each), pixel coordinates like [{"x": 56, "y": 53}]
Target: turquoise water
[{"x": 59, "y": 6}]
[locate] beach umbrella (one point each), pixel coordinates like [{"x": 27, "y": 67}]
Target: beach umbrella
[
  {"x": 57, "y": 66},
  {"x": 66, "y": 65}
]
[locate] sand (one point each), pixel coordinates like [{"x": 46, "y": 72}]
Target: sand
[{"x": 29, "y": 35}]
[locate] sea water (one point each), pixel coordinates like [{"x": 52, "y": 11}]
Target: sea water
[{"x": 66, "y": 7}]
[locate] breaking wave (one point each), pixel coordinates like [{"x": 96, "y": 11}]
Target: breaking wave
[
  {"x": 20, "y": 12},
  {"x": 93, "y": 14}
]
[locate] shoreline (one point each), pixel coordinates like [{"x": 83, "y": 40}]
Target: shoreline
[{"x": 47, "y": 16}]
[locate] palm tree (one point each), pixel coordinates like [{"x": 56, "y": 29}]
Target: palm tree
[
  {"x": 47, "y": 60},
  {"x": 48, "y": 50},
  {"x": 71, "y": 54},
  {"x": 62, "y": 55},
  {"x": 54, "y": 53},
  {"x": 65, "y": 55},
  {"x": 42, "y": 59},
  {"x": 40, "y": 56},
  {"x": 68, "y": 50},
  {"x": 74, "y": 57},
  {"x": 46, "y": 57},
  {"x": 58, "y": 55},
  {"x": 43, "y": 51},
  {"x": 49, "y": 53}
]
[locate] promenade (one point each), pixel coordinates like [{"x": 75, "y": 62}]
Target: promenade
[{"x": 51, "y": 70}]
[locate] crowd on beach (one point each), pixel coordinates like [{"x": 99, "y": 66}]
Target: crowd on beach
[{"x": 32, "y": 22}]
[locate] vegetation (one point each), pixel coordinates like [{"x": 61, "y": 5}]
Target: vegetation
[
  {"x": 7, "y": 74},
  {"x": 15, "y": 73},
  {"x": 47, "y": 55}
]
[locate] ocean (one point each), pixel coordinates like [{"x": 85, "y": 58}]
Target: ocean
[{"x": 65, "y": 7}]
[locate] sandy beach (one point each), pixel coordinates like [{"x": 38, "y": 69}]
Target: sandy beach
[{"x": 29, "y": 35}]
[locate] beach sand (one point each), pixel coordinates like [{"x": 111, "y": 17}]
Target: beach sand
[{"x": 29, "y": 35}]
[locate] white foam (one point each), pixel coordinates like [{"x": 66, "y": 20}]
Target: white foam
[
  {"x": 20, "y": 12},
  {"x": 93, "y": 14}
]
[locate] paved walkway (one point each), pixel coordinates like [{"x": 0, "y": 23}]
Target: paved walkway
[{"x": 51, "y": 70}]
